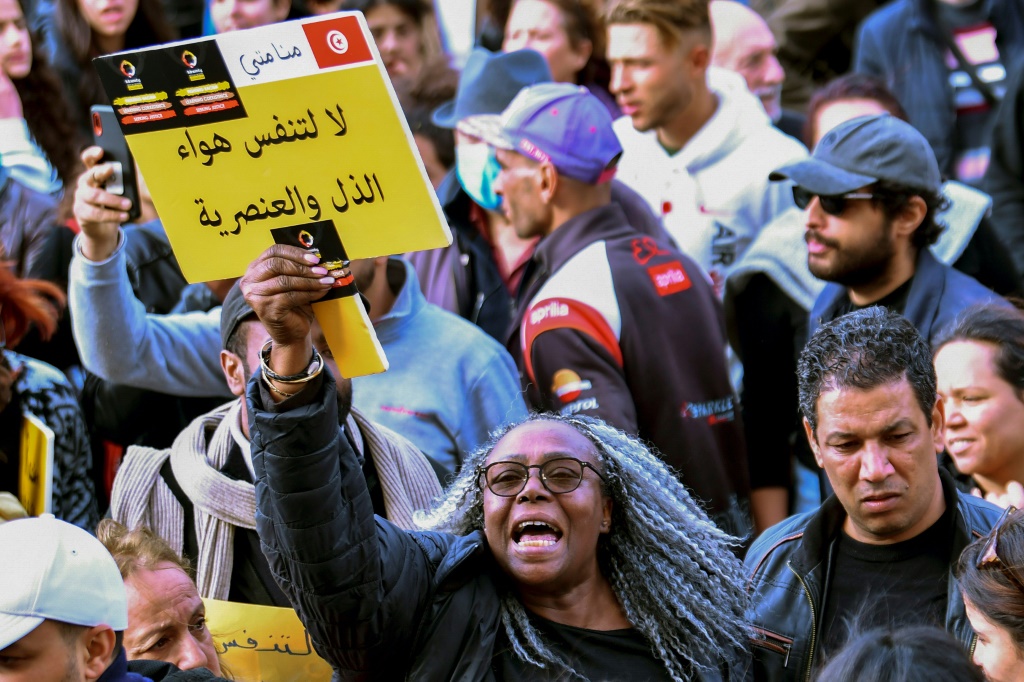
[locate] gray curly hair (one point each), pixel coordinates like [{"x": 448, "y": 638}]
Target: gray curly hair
[{"x": 671, "y": 568}]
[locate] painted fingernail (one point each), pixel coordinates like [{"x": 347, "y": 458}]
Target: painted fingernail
[
  {"x": 326, "y": 280},
  {"x": 319, "y": 270},
  {"x": 311, "y": 258},
  {"x": 126, "y": 204},
  {"x": 124, "y": 217}
]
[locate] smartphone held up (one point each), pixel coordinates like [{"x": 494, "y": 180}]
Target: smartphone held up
[{"x": 107, "y": 135}]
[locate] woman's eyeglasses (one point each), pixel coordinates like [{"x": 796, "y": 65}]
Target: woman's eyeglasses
[
  {"x": 989, "y": 556},
  {"x": 833, "y": 204},
  {"x": 559, "y": 476}
]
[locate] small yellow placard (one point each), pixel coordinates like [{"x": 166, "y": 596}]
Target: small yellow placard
[
  {"x": 263, "y": 643},
  {"x": 35, "y": 484}
]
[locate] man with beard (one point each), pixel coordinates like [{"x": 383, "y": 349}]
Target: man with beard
[
  {"x": 870, "y": 192},
  {"x": 200, "y": 494}
]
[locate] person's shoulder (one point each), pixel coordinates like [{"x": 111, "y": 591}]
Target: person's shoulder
[
  {"x": 635, "y": 253},
  {"x": 160, "y": 671},
  {"x": 38, "y": 376},
  {"x": 17, "y": 193},
  {"x": 777, "y": 148},
  {"x": 631, "y": 137},
  {"x": 783, "y": 536},
  {"x": 980, "y": 515},
  {"x": 888, "y": 17},
  {"x": 458, "y": 333},
  {"x": 623, "y": 124},
  {"x": 963, "y": 290}
]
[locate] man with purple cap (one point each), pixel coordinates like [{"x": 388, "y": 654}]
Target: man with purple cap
[
  {"x": 477, "y": 276},
  {"x": 610, "y": 322}
]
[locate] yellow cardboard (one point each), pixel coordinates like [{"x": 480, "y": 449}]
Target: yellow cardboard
[
  {"x": 350, "y": 336},
  {"x": 263, "y": 643},
  {"x": 333, "y": 133},
  {"x": 35, "y": 484},
  {"x": 277, "y": 126}
]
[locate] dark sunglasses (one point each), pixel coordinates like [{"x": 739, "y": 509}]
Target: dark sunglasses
[
  {"x": 833, "y": 204},
  {"x": 559, "y": 476},
  {"x": 990, "y": 554}
]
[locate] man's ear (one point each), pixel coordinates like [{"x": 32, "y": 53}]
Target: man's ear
[
  {"x": 939, "y": 425},
  {"x": 234, "y": 372},
  {"x": 813, "y": 441},
  {"x": 906, "y": 222},
  {"x": 548, "y": 182},
  {"x": 700, "y": 56},
  {"x": 96, "y": 651}
]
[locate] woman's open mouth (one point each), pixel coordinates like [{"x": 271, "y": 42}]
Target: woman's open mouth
[{"x": 536, "y": 534}]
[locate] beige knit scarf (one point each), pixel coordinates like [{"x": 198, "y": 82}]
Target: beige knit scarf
[{"x": 141, "y": 497}]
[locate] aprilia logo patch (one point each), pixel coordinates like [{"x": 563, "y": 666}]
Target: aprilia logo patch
[{"x": 669, "y": 278}]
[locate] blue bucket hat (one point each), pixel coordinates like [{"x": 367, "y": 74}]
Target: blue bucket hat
[{"x": 489, "y": 82}]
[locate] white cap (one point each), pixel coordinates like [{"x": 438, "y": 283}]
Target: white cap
[{"x": 51, "y": 570}]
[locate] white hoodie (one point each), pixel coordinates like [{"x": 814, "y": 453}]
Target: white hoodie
[{"x": 714, "y": 194}]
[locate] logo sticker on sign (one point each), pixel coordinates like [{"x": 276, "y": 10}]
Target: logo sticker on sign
[{"x": 338, "y": 42}]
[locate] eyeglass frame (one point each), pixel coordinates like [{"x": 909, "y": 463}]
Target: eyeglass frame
[
  {"x": 540, "y": 467},
  {"x": 989, "y": 556},
  {"x": 802, "y": 198}
]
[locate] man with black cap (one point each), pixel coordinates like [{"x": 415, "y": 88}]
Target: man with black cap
[
  {"x": 870, "y": 192},
  {"x": 610, "y": 322},
  {"x": 199, "y": 495},
  {"x": 477, "y": 275}
]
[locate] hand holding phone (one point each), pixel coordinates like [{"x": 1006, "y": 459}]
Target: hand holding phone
[
  {"x": 98, "y": 212},
  {"x": 108, "y": 136}
]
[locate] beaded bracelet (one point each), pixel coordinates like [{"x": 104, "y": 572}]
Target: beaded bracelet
[{"x": 316, "y": 365}]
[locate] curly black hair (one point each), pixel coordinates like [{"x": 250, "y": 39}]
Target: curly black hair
[{"x": 865, "y": 349}]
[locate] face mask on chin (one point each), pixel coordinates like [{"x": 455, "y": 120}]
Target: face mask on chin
[{"x": 477, "y": 169}]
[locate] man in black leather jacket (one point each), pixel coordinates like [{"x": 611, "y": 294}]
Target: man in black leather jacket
[{"x": 882, "y": 549}]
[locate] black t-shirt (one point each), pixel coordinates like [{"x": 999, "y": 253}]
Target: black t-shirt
[
  {"x": 895, "y": 301},
  {"x": 899, "y": 584},
  {"x": 600, "y": 656}
]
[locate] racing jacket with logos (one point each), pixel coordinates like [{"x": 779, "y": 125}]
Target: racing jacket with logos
[
  {"x": 790, "y": 573},
  {"x": 619, "y": 325}
]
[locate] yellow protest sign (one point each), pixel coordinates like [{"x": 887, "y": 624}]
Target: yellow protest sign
[
  {"x": 271, "y": 127},
  {"x": 35, "y": 484},
  {"x": 263, "y": 643},
  {"x": 275, "y": 127}
]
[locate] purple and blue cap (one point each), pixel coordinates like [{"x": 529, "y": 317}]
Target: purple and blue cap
[{"x": 559, "y": 123}]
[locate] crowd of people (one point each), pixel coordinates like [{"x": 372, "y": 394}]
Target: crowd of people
[{"x": 720, "y": 378}]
